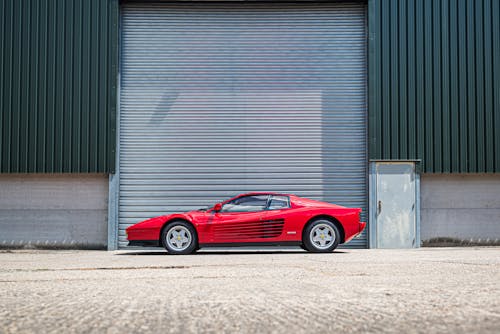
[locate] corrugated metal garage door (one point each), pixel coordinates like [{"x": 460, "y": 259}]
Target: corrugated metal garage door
[{"x": 222, "y": 98}]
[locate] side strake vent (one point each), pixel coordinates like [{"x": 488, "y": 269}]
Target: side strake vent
[{"x": 250, "y": 230}]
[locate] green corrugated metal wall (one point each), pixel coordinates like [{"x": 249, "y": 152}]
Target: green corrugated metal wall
[
  {"x": 58, "y": 76},
  {"x": 434, "y": 83}
]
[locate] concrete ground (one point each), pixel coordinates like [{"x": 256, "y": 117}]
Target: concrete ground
[{"x": 428, "y": 290}]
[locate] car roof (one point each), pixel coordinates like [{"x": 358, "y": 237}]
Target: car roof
[{"x": 256, "y": 193}]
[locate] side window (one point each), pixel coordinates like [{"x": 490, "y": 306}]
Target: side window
[
  {"x": 246, "y": 204},
  {"x": 279, "y": 202}
]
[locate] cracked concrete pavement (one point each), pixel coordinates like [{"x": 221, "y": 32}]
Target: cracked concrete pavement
[{"x": 427, "y": 290}]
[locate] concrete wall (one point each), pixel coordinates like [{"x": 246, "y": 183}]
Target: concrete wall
[
  {"x": 54, "y": 209},
  {"x": 462, "y": 207}
]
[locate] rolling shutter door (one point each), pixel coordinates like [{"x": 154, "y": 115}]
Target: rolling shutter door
[{"x": 219, "y": 99}]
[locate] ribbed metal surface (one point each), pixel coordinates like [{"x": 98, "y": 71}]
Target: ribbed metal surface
[
  {"x": 219, "y": 99},
  {"x": 435, "y": 83},
  {"x": 249, "y": 230},
  {"x": 58, "y": 72}
]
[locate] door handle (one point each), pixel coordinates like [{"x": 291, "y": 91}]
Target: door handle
[{"x": 379, "y": 207}]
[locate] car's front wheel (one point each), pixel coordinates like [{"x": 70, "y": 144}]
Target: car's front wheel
[
  {"x": 321, "y": 236},
  {"x": 179, "y": 237}
]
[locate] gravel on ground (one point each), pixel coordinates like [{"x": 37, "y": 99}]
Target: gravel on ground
[{"x": 427, "y": 290}]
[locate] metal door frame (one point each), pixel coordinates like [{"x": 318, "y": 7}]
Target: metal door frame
[
  {"x": 372, "y": 200},
  {"x": 114, "y": 178}
]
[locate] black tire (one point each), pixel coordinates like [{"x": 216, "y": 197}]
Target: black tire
[
  {"x": 184, "y": 249},
  {"x": 330, "y": 230}
]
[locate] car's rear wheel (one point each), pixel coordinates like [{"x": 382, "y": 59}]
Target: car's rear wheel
[
  {"x": 321, "y": 236},
  {"x": 179, "y": 237}
]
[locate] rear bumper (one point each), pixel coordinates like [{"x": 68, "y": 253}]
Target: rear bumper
[{"x": 361, "y": 227}]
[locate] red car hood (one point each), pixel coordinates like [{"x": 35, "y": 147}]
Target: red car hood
[{"x": 159, "y": 220}]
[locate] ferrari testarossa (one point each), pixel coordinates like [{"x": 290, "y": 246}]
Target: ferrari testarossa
[{"x": 252, "y": 219}]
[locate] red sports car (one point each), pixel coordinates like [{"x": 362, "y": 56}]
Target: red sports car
[{"x": 252, "y": 219}]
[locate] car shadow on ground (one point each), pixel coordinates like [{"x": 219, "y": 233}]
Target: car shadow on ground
[{"x": 228, "y": 252}]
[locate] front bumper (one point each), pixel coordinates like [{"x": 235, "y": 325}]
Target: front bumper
[{"x": 143, "y": 243}]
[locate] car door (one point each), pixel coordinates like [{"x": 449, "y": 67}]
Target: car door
[
  {"x": 278, "y": 213},
  {"x": 240, "y": 221}
]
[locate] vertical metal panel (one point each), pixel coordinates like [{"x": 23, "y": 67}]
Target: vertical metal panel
[
  {"x": 7, "y": 86},
  {"x": 488, "y": 87},
  {"x": 495, "y": 21},
  {"x": 479, "y": 88},
  {"x": 402, "y": 95},
  {"x": 394, "y": 85},
  {"x": 454, "y": 92},
  {"x": 436, "y": 78},
  {"x": 253, "y": 97},
  {"x": 386, "y": 81},
  {"x": 419, "y": 78},
  {"x": 463, "y": 157},
  {"x": 427, "y": 111},
  {"x": 412, "y": 125},
  {"x": 444, "y": 102},
  {"x": 471, "y": 84},
  {"x": 375, "y": 78},
  {"x": 447, "y": 82},
  {"x": 57, "y": 72}
]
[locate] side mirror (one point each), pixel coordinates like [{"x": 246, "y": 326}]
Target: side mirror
[{"x": 217, "y": 207}]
